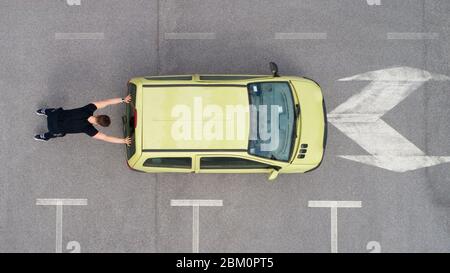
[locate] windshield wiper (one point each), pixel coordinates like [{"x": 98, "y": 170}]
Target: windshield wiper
[
  {"x": 297, "y": 115},
  {"x": 297, "y": 111}
]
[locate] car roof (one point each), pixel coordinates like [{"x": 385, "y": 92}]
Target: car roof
[{"x": 168, "y": 110}]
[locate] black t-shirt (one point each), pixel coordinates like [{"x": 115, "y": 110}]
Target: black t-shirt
[{"x": 76, "y": 120}]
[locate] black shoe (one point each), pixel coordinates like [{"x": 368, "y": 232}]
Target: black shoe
[
  {"x": 41, "y": 112},
  {"x": 40, "y": 137}
]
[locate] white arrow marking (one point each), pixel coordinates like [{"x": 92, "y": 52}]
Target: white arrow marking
[{"x": 360, "y": 119}]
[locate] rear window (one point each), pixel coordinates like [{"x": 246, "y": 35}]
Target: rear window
[
  {"x": 129, "y": 120},
  {"x": 169, "y": 162},
  {"x": 227, "y": 78},
  {"x": 169, "y": 78},
  {"x": 132, "y": 92}
]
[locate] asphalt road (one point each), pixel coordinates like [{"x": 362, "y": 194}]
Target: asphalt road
[{"x": 131, "y": 212}]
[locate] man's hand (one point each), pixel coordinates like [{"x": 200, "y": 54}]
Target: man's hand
[
  {"x": 127, "y": 99},
  {"x": 127, "y": 141},
  {"x": 104, "y": 103}
]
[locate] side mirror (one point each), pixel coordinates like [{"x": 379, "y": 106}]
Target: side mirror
[
  {"x": 273, "y": 174},
  {"x": 274, "y": 69}
]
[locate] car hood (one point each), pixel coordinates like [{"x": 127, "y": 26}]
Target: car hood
[{"x": 312, "y": 122}]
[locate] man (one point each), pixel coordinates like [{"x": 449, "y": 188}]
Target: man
[{"x": 81, "y": 120}]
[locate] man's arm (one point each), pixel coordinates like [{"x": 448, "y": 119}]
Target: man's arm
[
  {"x": 111, "y": 139},
  {"x": 103, "y": 103}
]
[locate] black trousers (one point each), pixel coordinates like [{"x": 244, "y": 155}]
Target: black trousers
[{"x": 51, "y": 117}]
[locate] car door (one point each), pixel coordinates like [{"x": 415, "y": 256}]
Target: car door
[
  {"x": 230, "y": 164},
  {"x": 179, "y": 164}
]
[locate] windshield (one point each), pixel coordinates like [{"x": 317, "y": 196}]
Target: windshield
[{"x": 272, "y": 120}]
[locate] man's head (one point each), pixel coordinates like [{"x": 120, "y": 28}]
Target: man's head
[{"x": 103, "y": 120}]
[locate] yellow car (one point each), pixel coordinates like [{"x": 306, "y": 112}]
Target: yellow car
[{"x": 225, "y": 124}]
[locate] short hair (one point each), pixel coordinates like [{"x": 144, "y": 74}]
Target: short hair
[{"x": 103, "y": 120}]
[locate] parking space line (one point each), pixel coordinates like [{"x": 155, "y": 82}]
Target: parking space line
[
  {"x": 195, "y": 228},
  {"x": 59, "y": 222},
  {"x": 334, "y": 205},
  {"x": 59, "y": 203},
  {"x": 189, "y": 35},
  {"x": 64, "y": 202},
  {"x": 334, "y": 230},
  {"x": 80, "y": 36},
  {"x": 190, "y": 203},
  {"x": 73, "y": 2},
  {"x": 412, "y": 36},
  {"x": 196, "y": 204},
  {"x": 300, "y": 36}
]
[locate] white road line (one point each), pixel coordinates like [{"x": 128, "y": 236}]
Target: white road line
[
  {"x": 59, "y": 226},
  {"x": 334, "y": 230},
  {"x": 59, "y": 203},
  {"x": 334, "y": 205},
  {"x": 80, "y": 36},
  {"x": 196, "y": 204},
  {"x": 73, "y": 2},
  {"x": 190, "y": 36},
  {"x": 374, "y": 2},
  {"x": 360, "y": 119},
  {"x": 195, "y": 228},
  {"x": 412, "y": 36},
  {"x": 190, "y": 203},
  {"x": 64, "y": 202},
  {"x": 300, "y": 36}
]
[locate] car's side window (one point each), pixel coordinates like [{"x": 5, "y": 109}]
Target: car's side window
[
  {"x": 230, "y": 163},
  {"x": 169, "y": 162}
]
